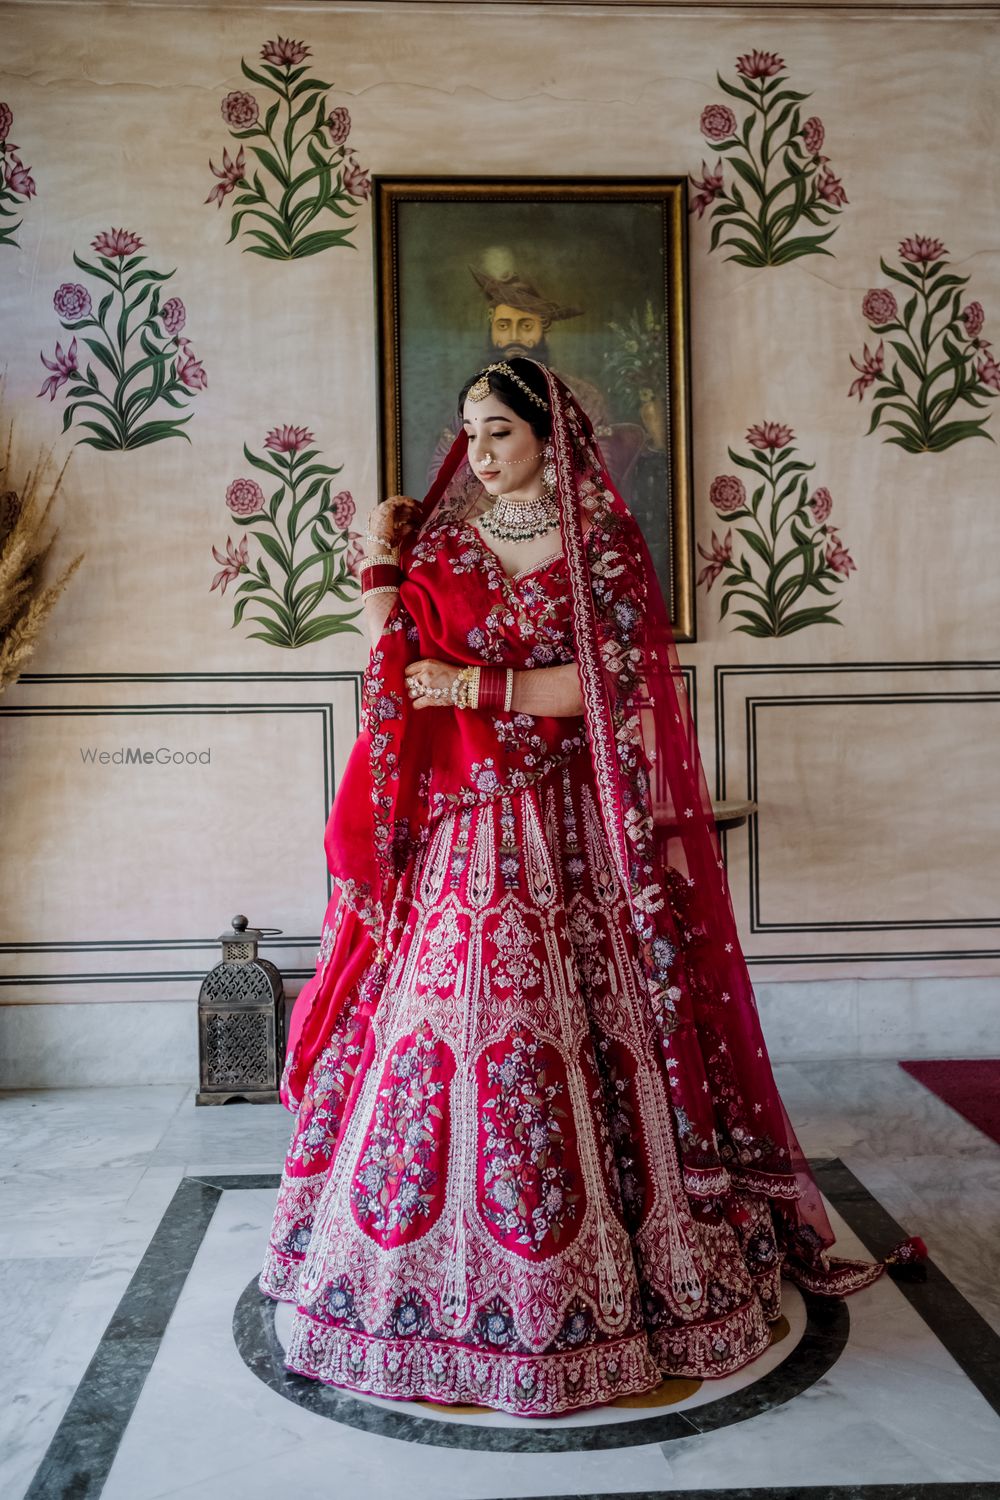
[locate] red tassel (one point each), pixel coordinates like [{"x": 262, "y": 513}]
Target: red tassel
[{"x": 906, "y": 1261}]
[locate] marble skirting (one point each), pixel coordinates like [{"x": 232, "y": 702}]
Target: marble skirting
[{"x": 83, "y": 1045}]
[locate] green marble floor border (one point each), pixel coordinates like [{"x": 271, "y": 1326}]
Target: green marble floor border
[
  {"x": 83, "y": 1448},
  {"x": 817, "y": 1351}
]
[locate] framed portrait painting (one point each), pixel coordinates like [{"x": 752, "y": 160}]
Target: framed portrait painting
[{"x": 588, "y": 275}]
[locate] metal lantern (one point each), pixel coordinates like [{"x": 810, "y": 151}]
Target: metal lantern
[{"x": 241, "y": 1043}]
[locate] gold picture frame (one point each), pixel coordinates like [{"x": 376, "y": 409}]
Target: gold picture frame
[{"x": 596, "y": 270}]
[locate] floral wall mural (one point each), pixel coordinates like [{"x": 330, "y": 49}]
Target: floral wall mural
[
  {"x": 16, "y": 182},
  {"x": 306, "y": 168},
  {"x": 145, "y": 361},
  {"x": 303, "y": 530},
  {"x": 776, "y": 569},
  {"x": 939, "y": 360},
  {"x": 784, "y": 180},
  {"x": 844, "y": 278}
]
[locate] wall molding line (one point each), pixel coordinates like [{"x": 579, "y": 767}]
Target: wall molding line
[
  {"x": 140, "y": 710},
  {"x": 752, "y": 708},
  {"x": 753, "y": 704}
]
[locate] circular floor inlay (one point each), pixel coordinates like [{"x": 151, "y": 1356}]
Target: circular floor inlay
[{"x": 804, "y": 1345}]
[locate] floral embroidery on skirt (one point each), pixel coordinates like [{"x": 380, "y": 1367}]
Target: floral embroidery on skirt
[{"x": 483, "y": 1200}]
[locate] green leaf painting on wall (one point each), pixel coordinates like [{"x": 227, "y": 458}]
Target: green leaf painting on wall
[
  {"x": 307, "y": 553},
  {"x": 939, "y": 361},
  {"x": 141, "y": 360},
  {"x": 790, "y": 548},
  {"x": 305, "y": 167},
  {"x": 780, "y": 181}
]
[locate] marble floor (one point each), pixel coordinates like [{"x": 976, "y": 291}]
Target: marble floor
[{"x": 139, "y": 1363}]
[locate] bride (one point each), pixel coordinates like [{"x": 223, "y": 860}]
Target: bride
[{"x": 539, "y": 1159}]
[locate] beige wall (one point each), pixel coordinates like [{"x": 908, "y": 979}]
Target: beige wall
[{"x": 871, "y": 747}]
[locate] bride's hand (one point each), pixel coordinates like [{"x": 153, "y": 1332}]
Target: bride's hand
[
  {"x": 427, "y": 674},
  {"x": 392, "y": 521}
]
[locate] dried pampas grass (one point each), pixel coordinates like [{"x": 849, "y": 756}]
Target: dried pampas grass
[{"x": 25, "y": 601}]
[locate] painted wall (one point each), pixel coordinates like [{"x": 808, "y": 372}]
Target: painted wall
[{"x": 869, "y": 743}]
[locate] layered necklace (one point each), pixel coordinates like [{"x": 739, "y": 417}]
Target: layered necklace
[{"x": 510, "y": 520}]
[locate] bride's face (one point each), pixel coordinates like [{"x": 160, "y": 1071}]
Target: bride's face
[{"x": 504, "y": 452}]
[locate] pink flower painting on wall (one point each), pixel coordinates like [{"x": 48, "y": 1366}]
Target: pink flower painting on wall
[
  {"x": 16, "y": 182},
  {"x": 777, "y": 568},
  {"x": 141, "y": 359},
  {"x": 939, "y": 359},
  {"x": 305, "y": 165},
  {"x": 304, "y": 533},
  {"x": 780, "y": 178}
]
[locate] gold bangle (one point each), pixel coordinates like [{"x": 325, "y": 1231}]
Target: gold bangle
[
  {"x": 509, "y": 694},
  {"x": 380, "y": 588},
  {"x": 459, "y": 693},
  {"x": 465, "y": 687},
  {"x": 382, "y": 557}
]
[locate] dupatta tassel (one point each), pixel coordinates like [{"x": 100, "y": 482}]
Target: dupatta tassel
[{"x": 908, "y": 1261}]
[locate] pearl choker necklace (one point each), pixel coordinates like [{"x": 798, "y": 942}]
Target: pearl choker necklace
[{"x": 511, "y": 520}]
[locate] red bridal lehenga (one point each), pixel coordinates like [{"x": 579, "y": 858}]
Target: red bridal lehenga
[{"x": 539, "y": 1158}]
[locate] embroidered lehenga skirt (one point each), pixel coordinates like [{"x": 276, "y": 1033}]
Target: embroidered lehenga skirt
[{"x": 483, "y": 1200}]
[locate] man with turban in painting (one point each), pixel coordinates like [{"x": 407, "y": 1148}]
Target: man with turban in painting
[{"x": 520, "y": 317}]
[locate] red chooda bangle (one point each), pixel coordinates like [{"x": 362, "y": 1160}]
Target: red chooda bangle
[
  {"x": 380, "y": 574},
  {"x": 495, "y": 685}
]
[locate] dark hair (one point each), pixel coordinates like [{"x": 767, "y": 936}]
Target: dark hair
[{"x": 513, "y": 396}]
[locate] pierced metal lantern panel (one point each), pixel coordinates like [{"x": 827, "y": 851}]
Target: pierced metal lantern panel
[{"x": 241, "y": 1043}]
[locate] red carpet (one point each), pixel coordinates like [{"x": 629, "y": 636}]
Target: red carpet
[{"x": 970, "y": 1085}]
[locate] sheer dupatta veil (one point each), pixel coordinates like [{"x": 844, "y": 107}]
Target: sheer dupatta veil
[{"x": 732, "y": 1128}]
